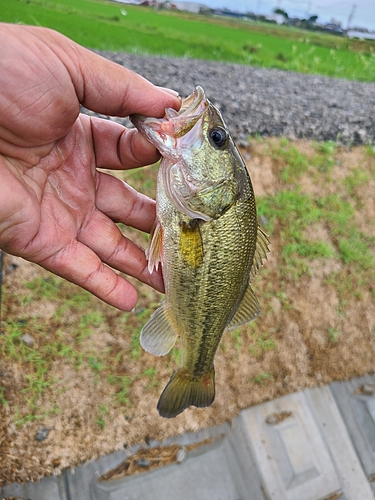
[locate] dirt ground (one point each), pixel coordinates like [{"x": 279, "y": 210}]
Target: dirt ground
[{"x": 317, "y": 325}]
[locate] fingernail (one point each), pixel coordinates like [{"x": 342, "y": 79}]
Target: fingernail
[{"x": 169, "y": 91}]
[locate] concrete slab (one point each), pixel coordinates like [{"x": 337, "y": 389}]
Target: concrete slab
[
  {"x": 210, "y": 472},
  {"x": 79, "y": 481},
  {"x": 293, "y": 460},
  {"x": 50, "y": 488},
  {"x": 332, "y": 427},
  {"x": 245, "y": 461},
  {"x": 356, "y": 401}
]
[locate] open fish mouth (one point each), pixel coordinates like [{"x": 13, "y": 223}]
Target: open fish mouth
[
  {"x": 164, "y": 132},
  {"x": 191, "y": 103}
]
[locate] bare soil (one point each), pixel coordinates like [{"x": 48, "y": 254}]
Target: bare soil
[{"x": 317, "y": 326}]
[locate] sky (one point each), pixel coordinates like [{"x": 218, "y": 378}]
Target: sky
[{"x": 363, "y": 15}]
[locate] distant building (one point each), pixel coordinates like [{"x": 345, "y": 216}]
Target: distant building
[
  {"x": 228, "y": 13},
  {"x": 334, "y": 27},
  {"x": 190, "y": 6},
  {"x": 362, "y": 35},
  {"x": 276, "y": 18},
  {"x": 132, "y": 2}
]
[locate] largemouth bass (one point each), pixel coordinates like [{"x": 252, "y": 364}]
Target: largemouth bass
[{"x": 208, "y": 241}]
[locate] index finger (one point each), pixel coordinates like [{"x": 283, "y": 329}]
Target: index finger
[{"x": 119, "y": 148}]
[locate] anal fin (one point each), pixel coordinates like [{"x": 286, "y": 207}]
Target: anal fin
[{"x": 158, "y": 335}]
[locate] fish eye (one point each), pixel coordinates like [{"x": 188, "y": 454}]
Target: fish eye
[{"x": 218, "y": 137}]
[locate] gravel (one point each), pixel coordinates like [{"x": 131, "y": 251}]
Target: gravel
[{"x": 268, "y": 102}]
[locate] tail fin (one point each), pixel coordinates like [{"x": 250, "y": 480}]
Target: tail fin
[{"x": 185, "y": 389}]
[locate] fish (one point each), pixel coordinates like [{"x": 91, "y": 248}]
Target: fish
[{"x": 209, "y": 244}]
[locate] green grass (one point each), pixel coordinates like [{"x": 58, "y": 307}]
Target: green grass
[
  {"x": 261, "y": 378},
  {"x": 296, "y": 163},
  {"x": 66, "y": 336},
  {"x": 237, "y": 338},
  {"x": 100, "y": 25},
  {"x": 297, "y": 219},
  {"x": 262, "y": 343},
  {"x": 357, "y": 179},
  {"x": 324, "y": 158},
  {"x": 334, "y": 334},
  {"x": 294, "y": 211},
  {"x": 102, "y": 412},
  {"x": 47, "y": 288}
]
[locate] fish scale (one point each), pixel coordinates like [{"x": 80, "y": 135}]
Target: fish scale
[{"x": 206, "y": 237}]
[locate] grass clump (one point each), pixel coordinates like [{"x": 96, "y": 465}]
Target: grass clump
[
  {"x": 101, "y": 415},
  {"x": 334, "y": 334},
  {"x": 354, "y": 181},
  {"x": 262, "y": 378},
  {"x": 324, "y": 159},
  {"x": 294, "y": 212},
  {"x": 261, "y": 343},
  {"x": 294, "y": 162},
  {"x": 45, "y": 287},
  {"x": 320, "y": 217}
]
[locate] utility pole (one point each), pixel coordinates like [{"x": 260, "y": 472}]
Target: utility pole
[{"x": 351, "y": 16}]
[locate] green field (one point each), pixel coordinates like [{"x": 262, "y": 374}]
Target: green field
[{"x": 141, "y": 30}]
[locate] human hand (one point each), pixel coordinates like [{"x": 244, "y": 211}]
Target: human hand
[{"x": 56, "y": 209}]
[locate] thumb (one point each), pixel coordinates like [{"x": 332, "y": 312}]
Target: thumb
[{"x": 106, "y": 87}]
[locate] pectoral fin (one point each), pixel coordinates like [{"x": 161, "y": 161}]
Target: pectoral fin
[
  {"x": 153, "y": 250},
  {"x": 247, "y": 310},
  {"x": 158, "y": 335}
]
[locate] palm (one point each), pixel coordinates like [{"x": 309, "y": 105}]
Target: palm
[{"x": 63, "y": 224}]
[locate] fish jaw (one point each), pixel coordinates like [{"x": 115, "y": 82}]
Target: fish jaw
[
  {"x": 157, "y": 131},
  {"x": 177, "y": 130}
]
